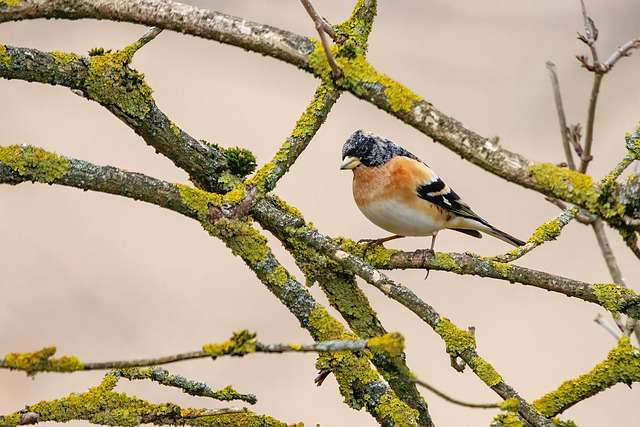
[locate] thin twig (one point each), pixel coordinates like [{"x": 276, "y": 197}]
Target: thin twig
[
  {"x": 600, "y": 320},
  {"x": 453, "y": 400},
  {"x": 322, "y": 26},
  {"x": 146, "y": 38},
  {"x": 319, "y": 347},
  {"x": 591, "y": 115},
  {"x": 582, "y": 216},
  {"x": 621, "y": 52},
  {"x": 562, "y": 119},
  {"x": 550, "y": 230},
  {"x": 317, "y": 19}
]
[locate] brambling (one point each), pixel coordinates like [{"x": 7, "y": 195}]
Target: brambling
[{"x": 401, "y": 194}]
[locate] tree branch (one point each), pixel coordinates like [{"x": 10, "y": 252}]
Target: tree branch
[
  {"x": 621, "y": 366},
  {"x": 240, "y": 344},
  {"x": 102, "y": 405},
  {"x": 361, "y": 79},
  {"x": 323, "y": 29},
  {"x": 562, "y": 119},
  {"x": 453, "y": 400}
]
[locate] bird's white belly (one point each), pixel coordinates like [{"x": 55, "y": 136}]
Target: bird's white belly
[{"x": 399, "y": 218}]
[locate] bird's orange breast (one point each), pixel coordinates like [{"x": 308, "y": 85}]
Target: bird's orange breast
[{"x": 387, "y": 195}]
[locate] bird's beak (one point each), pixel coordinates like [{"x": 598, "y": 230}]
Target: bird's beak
[{"x": 350, "y": 162}]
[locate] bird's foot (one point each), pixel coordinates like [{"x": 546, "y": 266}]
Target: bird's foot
[{"x": 371, "y": 243}]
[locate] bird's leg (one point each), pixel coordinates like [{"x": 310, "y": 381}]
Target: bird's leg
[
  {"x": 433, "y": 244},
  {"x": 369, "y": 243}
]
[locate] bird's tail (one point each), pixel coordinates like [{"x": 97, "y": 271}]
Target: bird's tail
[
  {"x": 480, "y": 224},
  {"x": 505, "y": 237}
]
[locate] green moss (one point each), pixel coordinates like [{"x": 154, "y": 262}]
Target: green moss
[
  {"x": 392, "y": 344},
  {"x": 456, "y": 339},
  {"x": 485, "y": 371},
  {"x": 359, "y": 76},
  {"x": 312, "y": 117},
  {"x": 611, "y": 296},
  {"x": 241, "y": 343},
  {"x": 512, "y": 405},
  {"x": 5, "y": 58},
  {"x": 241, "y": 162},
  {"x": 42, "y": 361},
  {"x": 63, "y": 58},
  {"x": 622, "y": 365},
  {"x": 34, "y": 163},
  {"x": 110, "y": 81},
  {"x": 507, "y": 419}
]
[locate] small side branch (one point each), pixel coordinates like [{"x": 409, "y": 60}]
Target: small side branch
[
  {"x": 323, "y": 29},
  {"x": 621, "y": 366},
  {"x": 453, "y": 400},
  {"x": 562, "y": 119},
  {"x": 194, "y": 388},
  {"x": 546, "y": 232},
  {"x": 240, "y": 344}
]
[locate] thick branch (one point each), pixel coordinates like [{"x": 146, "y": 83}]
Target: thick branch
[
  {"x": 102, "y": 405},
  {"x": 361, "y": 79},
  {"x": 406, "y": 297},
  {"x": 621, "y": 366}
]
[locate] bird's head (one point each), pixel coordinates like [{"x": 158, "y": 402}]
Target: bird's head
[{"x": 366, "y": 149}]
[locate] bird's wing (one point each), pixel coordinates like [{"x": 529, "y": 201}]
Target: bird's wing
[{"x": 434, "y": 190}]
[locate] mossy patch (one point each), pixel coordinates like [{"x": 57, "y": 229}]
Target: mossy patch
[
  {"x": 565, "y": 183},
  {"x": 240, "y": 161},
  {"x": 512, "y": 405},
  {"x": 622, "y": 365},
  {"x": 42, "y": 361},
  {"x": 611, "y": 296},
  {"x": 10, "y": 3},
  {"x": 456, "y": 339},
  {"x": 174, "y": 129},
  {"x": 34, "y": 163},
  {"x": 110, "y": 81},
  {"x": 241, "y": 343},
  {"x": 548, "y": 231}
]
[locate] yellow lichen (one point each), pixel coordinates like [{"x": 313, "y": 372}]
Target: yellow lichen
[
  {"x": 5, "y": 58},
  {"x": 110, "y": 81},
  {"x": 485, "y": 371},
  {"x": 392, "y": 344},
  {"x": 507, "y": 419},
  {"x": 42, "y": 361},
  {"x": 456, "y": 339},
  {"x": 611, "y": 296},
  {"x": 512, "y": 404},
  {"x": 63, "y": 58},
  {"x": 10, "y": 3},
  {"x": 174, "y": 129},
  {"x": 622, "y": 365},
  {"x": 241, "y": 343},
  {"x": 34, "y": 163}
]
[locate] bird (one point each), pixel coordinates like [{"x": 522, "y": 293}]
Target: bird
[{"x": 401, "y": 194}]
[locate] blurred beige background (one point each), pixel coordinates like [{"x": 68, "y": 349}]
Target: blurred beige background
[{"x": 104, "y": 277}]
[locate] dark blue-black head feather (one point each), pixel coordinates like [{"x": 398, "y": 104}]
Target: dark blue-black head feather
[{"x": 372, "y": 150}]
